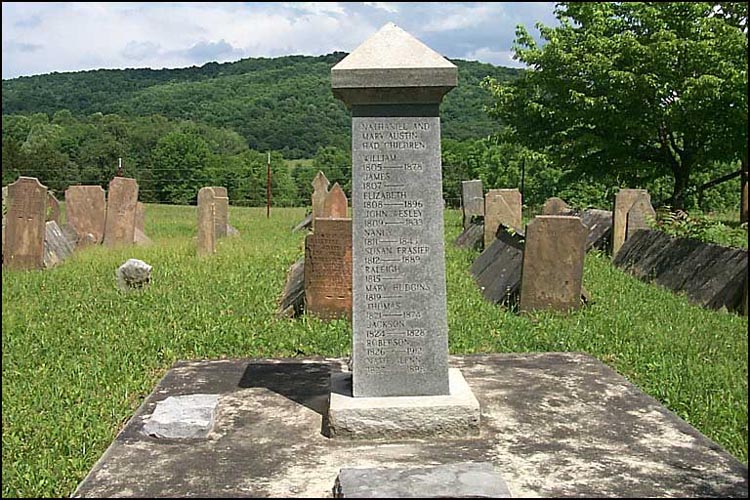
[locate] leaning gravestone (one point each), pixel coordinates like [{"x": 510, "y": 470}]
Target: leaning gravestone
[
  {"x": 639, "y": 215},
  {"x": 57, "y": 246},
  {"x": 119, "y": 226},
  {"x": 334, "y": 205},
  {"x": 472, "y": 200},
  {"x": 85, "y": 210},
  {"x": 328, "y": 269},
  {"x": 25, "y": 225},
  {"x": 221, "y": 219},
  {"x": 393, "y": 85},
  {"x": 320, "y": 189},
  {"x": 552, "y": 274},
  {"x": 624, "y": 200},
  {"x": 501, "y": 206},
  {"x": 206, "y": 221},
  {"x": 53, "y": 208}
]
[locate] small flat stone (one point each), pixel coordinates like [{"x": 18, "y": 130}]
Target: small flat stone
[
  {"x": 182, "y": 417},
  {"x": 459, "y": 480}
]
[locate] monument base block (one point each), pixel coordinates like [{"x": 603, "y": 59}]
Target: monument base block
[{"x": 456, "y": 414}]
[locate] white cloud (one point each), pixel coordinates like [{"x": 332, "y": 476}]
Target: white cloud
[
  {"x": 496, "y": 57},
  {"x": 77, "y": 36}
]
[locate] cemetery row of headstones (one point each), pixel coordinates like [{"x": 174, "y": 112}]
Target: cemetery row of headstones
[
  {"x": 34, "y": 237},
  {"x": 710, "y": 275}
]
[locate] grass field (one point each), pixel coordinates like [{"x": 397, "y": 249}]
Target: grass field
[{"x": 79, "y": 356}]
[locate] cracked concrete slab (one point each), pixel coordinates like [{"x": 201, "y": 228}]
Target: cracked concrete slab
[{"x": 553, "y": 424}]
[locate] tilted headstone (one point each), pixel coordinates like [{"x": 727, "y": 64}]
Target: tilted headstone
[
  {"x": 639, "y": 215},
  {"x": 497, "y": 270},
  {"x": 471, "y": 237},
  {"x": 472, "y": 200},
  {"x": 599, "y": 224},
  {"x": 712, "y": 276},
  {"x": 206, "y": 221},
  {"x": 328, "y": 269},
  {"x": 320, "y": 189},
  {"x": 501, "y": 206},
  {"x": 393, "y": 85},
  {"x": 25, "y": 224},
  {"x": 555, "y": 206},
  {"x": 335, "y": 204},
  {"x": 53, "y": 208},
  {"x": 57, "y": 247},
  {"x": 119, "y": 226},
  {"x": 221, "y": 202},
  {"x": 552, "y": 274},
  {"x": 624, "y": 200},
  {"x": 292, "y": 301},
  {"x": 85, "y": 210}
]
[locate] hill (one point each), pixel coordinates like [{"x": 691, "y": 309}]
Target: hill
[{"x": 283, "y": 104}]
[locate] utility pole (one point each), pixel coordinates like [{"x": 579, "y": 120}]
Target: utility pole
[{"x": 268, "y": 187}]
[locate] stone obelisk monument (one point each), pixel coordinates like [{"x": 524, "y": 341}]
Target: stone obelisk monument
[{"x": 393, "y": 84}]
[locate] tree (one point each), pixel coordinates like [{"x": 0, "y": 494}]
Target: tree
[
  {"x": 633, "y": 91},
  {"x": 180, "y": 165}
]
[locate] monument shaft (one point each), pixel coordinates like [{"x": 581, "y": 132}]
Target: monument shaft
[{"x": 399, "y": 306}]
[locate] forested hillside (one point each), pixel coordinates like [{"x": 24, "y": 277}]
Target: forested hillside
[{"x": 283, "y": 104}]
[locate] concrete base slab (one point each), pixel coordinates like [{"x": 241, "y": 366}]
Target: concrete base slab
[
  {"x": 464, "y": 480},
  {"x": 401, "y": 417},
  {"x": 554, "y": 425}
]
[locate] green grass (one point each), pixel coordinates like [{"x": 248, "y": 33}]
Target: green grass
[{"x": 79, "y": 356}]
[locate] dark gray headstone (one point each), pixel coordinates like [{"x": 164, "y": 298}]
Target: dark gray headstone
[
  {"x": 393, "y": 84},
  {"x": 471, "y": 237},
  {"x": 497, "y": 271},
  {"x": 599, "y": 224},
  {"x": 305, "y": 224},
  {"x": 472, "y": 200},
  {"x": 292, "y": 301},
  {"x": 712, "y": 276},
  {"x": 461, "y": 480}
]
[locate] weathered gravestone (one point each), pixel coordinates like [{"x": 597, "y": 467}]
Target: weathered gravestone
[
  {"x": 472, "y": 200},
  {"x": 335, "y": 204},
  {"x": 393, "y": 85},
  {"x": 624, "y": 200},
  {"x": 320, "y": 190},
  {"x": 53, "y": 208},
  {"x": 712, "y": 276},
  {"x": 472, "y": 236},
  {"x": 555, "y": 206},
  {"x": 206, "y": 221},
  {"x": 459, "y": 480},
  {"x": 639, "y": 215},
  {"x": 292, "y": 300},
  {"x": 140, "y": 217},
  {"x": 221, "y": 218},
  {"x": 57, "y": 246},
  {"x": 5, "y": 209},
  {"x": 25, "y": 224},
  {"x": 119, "y": 226},
  {"x": 497, "y": 270},
  {"x": 85, "y": 210},
  {"x": 328, "y": 269},
  {"x": 501, "y": 206},
  {"x": 552, "y": 274}
]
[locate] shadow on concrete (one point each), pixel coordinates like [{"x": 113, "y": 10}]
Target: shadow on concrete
[{"x": 307, "y": 383}]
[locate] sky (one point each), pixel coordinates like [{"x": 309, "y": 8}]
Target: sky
[{"x": 50, "y": 37}]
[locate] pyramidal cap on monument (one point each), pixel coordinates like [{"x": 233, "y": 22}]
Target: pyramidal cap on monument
[{"x": 393, "y": 84}]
